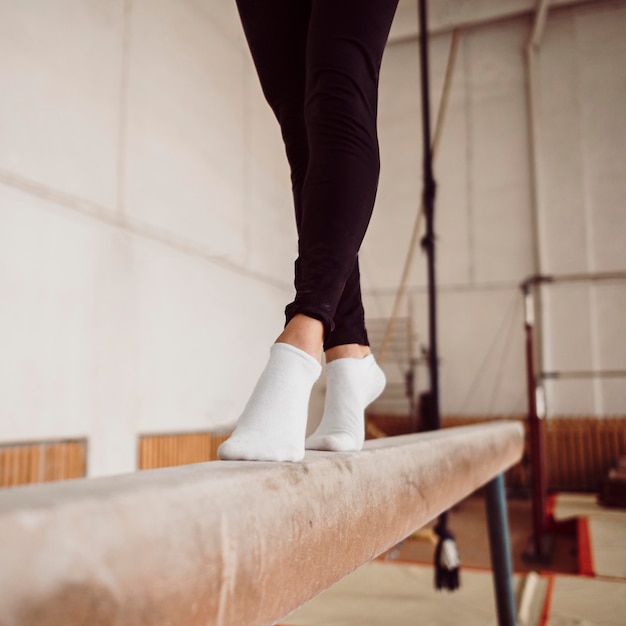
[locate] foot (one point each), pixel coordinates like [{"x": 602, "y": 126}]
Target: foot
[
  {"x": 272, "y": 426},
  {"x": 352, "y": 384}
]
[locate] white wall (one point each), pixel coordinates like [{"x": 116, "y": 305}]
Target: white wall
[
  {"x": 583, "y": 221},
  {"x": 483, "y": 209},
  {"x": 146, "y": 237}
]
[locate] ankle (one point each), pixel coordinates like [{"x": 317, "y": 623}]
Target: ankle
[
  {"x": 349, "y": 350},
  {"x": 304, "y": 333}
]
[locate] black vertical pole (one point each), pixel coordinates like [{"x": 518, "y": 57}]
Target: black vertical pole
[
  {"x": 443, "y": 576},
  {"x": 429, "y": 212}
]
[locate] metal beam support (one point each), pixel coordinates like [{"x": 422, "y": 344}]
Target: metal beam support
[{"x": 500, "y": 546}]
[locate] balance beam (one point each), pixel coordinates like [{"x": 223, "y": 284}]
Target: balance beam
[{"x": 229, "y": 543}]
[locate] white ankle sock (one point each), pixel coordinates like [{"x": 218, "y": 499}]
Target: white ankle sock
[
  {"x": 272, "y": 426},
  {"x": 352, "y": 384}
]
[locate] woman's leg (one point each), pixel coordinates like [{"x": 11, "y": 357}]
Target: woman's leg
[
  {"x": 277, "y": 33},
  {"x": 345, "y": 45},
  {"x": 273, "y": 424},
  {"x": 344, "y": 50},
  {"x": 349, "y": 335},
  {"x": 327, "y": 114}
]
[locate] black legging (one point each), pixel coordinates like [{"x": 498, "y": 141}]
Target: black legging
[{"x": 318, "y": 62}]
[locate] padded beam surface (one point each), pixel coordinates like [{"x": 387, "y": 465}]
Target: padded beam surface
[{"x": 229, "y": 543}]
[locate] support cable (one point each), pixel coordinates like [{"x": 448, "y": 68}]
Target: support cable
[{"x": 417, "y": 227}]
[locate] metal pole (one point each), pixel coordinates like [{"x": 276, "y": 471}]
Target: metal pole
[
  {"x": 536, "y": 434},
  {"x": 584, "y": 374},
  {"x": 429, "y": 213},
  {"x": 500, "y": 547}
]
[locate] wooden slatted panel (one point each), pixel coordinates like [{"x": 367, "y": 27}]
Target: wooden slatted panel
[
  {"x": 579, "y": 450},
  {"x": 52, "y": 467},
  {"x": 178, "y": 449},
  {"x": 26, "y": 463}
]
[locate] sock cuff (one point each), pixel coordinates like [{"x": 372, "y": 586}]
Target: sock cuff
[
  {"x": 311, "y": 362},
  {"x": 349, "y": 361}
]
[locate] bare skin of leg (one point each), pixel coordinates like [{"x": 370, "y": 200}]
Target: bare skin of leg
[
  {"x": 307, "y": 334},
  {"x": 348, "y": 350}
]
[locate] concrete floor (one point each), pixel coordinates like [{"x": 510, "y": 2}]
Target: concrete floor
[
  {"x": 584, "y": 601},
  {"x": 390, "y": 594},
  {"x": 398, "y": 591}
]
